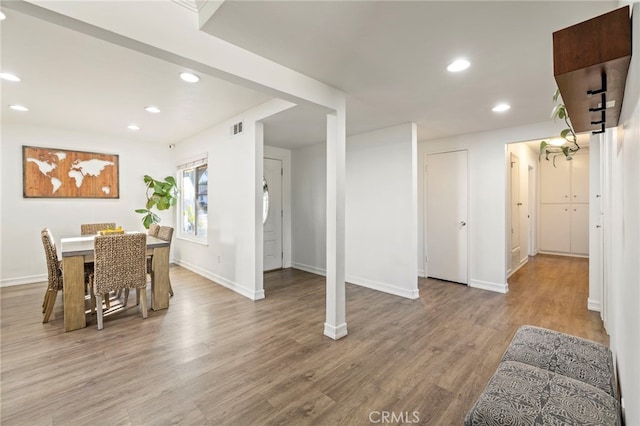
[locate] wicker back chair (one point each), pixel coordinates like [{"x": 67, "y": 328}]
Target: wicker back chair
[
  {"x": 153, "y": 230},
  {"x": 165, "y": 233},
  {"x": 54, "y": 274},
  {"x": 93, "y": 228},
  {"x": 119, "y": 264}
]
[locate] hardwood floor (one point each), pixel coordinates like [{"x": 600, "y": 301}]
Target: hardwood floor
[{"x": 216, "y": 357}]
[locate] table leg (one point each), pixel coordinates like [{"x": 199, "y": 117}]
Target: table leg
[
  {"x": 160, "y": 278},
  {"x": 73, "y": 278}
]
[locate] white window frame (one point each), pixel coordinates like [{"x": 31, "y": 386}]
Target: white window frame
[{"x": 190, "y": 164}]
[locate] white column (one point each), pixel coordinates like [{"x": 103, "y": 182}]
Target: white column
[
  {"x": 258, "y": 286},
  {"x": 336, "y": 325}
]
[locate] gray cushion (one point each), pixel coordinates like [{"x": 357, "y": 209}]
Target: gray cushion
[
  {"x": 520, "y": 394},
  {"x": 570, "y": 356}
]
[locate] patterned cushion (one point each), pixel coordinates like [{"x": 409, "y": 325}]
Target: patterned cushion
[
  {"x": 520, "y": 394},
  {"x": 570, "y": 356}
]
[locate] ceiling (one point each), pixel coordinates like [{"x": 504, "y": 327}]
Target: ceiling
[
  {"x": 390, "y": 58},
  {"x": 74, "y": 81}
]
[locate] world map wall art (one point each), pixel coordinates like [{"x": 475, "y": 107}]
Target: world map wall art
[{"x": 59, "y": 173}]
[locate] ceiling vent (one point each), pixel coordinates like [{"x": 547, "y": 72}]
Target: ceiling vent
[{"x": 236, "y": 128}]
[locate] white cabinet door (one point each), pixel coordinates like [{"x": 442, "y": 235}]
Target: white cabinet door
[
  {"x": 580, "y": 178},
  {"x": 555, "y": 228},
  {"x": 580, "y": 229},
  {"x": 555, "y": 182}
]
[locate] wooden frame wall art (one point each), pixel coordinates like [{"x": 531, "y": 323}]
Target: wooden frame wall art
[{"x": 60, "y": 173}]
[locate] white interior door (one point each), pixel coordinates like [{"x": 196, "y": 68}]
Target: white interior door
[
  {"x": 446, "y": 216},
  {"x": 272, "y": 214},
  {"x": 515, "y": 211}
]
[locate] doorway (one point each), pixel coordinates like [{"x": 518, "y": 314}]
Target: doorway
[
  {"x": 446, "y": 216},
  {"x": 516, "y": 206},
  {"x": 272, "y": 214}
]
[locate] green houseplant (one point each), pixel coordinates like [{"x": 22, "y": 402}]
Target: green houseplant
[
  {"x": 568, "y": 141},
  {"x": 161, "y": 194}
]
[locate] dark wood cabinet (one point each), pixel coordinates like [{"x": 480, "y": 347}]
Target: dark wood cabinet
[{"x": 591, "y": 61}]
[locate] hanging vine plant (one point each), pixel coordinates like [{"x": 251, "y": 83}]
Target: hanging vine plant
[{"x": 567, "y": 144}]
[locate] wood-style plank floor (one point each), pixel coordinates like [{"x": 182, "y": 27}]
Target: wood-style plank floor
[{"x": 217, "y": 358}]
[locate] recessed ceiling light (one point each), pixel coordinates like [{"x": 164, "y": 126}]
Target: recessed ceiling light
[
  {"x": 19, "y": 108},
  {"x": 189, "y": 77},
  {"x": 133, "y": 127},
  {"x": 458, "y": 65},
  {"x": 2, "y": 16},
  {"x": 9, "y": 77},
  {"x": 557, "y": 141},
  {"x": 152, "y": 109},
  {"x": 501, "y": 108}
]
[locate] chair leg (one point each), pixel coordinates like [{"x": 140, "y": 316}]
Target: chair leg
[
  {"x": 45, "y": 301},
  {"x": 126, "y": 297},
  {"x": 143, "y": 300},
  {"x": 107, "y": 302},
  {"x": 170, "y": 289},
  {"x": 99, "y": 310},
  {"x": 92, "y": 298},
  {"x": 51, "y": 300}
]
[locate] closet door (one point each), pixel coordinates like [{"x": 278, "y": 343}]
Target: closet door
[
  {"x": 555, "y": 228},
  {"x": 580, "y": 229},
  {"x": 555, "y": 182},
  {"x": 580, "y": 179}
]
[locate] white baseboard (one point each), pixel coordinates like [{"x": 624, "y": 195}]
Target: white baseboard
[
  {"x": 486, "y": 285},
  {"x": 231, "y": 285},
  {"x": 363, "y": 282},
  {"x": 309, "y": 268},
  {"x": 556, "y": 253},
  {"x": 385, "y": 288},
  {"x": 421, "y": 274},
  {"x": 32, "y": 279},
  {"x": 520, "y": 265},
  {"x": 335, "y": 332},
  {"x": 594, "y": 305}
]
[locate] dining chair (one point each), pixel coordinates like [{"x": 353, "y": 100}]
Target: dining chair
[
  {"x": 93, "y": 228},
  {"x": 153, "y": 230},
  {"x": 119, "y": 264},
  {"x": 164, "y": 233},
  {"x": 54, "y": 274}
]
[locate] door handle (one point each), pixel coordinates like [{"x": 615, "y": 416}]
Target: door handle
[
  {"x": 463, "y": 223},
  {"x": 519, "y": 204}
]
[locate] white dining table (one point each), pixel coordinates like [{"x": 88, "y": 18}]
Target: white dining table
[{"x": 76, "y": 251}]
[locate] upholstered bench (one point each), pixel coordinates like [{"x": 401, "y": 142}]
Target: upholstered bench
[{"x": 547, "y": 377}]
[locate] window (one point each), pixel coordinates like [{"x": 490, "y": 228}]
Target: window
[
  {"x": 194, "y": 199},
  {"x": 265, "y": 200}
]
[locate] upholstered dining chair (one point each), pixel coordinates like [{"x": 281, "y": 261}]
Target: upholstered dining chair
[
  {"x": 54, "y": 274},
  {"x": 119, "y": 264},
  {"x": 93, "y": 228}
]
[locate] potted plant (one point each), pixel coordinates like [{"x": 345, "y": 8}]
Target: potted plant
[
  {"x": 161, "y": 194},
  {"x": 567, "y": 143}
]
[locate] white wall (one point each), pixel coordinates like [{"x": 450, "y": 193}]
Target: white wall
[
  {"x": 623, "y": 305},
  {"x": 487, "y": 197},
  {"x": 381, "y": 211},
  {"x": 232, "y": 256},
  {"x": 22, "y": 256},
  {"x": 309, "y": 208}
]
